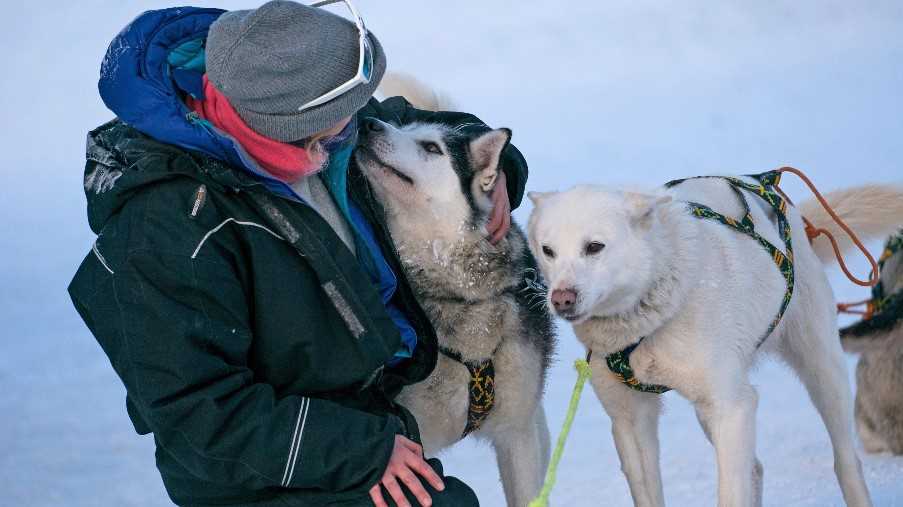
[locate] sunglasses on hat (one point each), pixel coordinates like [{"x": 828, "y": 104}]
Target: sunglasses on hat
[{"x": 365, "y": 58}]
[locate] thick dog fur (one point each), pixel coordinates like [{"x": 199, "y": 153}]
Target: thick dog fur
[
  {"x": 702, "y": 295},
  {"x": 434, "y": 184},
  {"x": 879, "y": 374}
]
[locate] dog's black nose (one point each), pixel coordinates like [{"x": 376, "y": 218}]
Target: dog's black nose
[{"x": 373, "y": 125}]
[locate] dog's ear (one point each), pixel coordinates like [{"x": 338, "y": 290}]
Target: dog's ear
[
  {"x": 644, "y": 206},
  {"x": 486, "y": 151}
]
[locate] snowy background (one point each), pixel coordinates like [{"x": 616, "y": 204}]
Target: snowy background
[{"x": 638, "y": 91}]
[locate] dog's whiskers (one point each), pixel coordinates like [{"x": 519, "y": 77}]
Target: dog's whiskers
[
  {"x": 532, "y": 283},
  {"x": 457, "y": 129}
]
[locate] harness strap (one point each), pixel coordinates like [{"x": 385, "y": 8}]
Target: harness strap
[
  {"x": 783, "y": 260},
  {"x": 619, "y": 362},
  {"x": 879, "y": 297},
  {"x": 481, "y": 388},
  {"x": 812, "y": 232},
  {"x": 882, "y": 310},
  {"x": 890, "y": 316}
]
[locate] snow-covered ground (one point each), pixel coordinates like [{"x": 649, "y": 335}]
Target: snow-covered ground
[{"x": 636, "y": 91}]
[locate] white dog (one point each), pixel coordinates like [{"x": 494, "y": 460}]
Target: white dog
[{"x": 697, "y": 298}]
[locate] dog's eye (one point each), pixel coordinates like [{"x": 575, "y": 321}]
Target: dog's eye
[
  {"x": 593, "y": 247},
  {"x": 431, "y": 147},
  {"x": 548, "y": 252}
]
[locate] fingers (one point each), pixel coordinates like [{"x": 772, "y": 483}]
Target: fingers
[
  {"x": 412, "y": 446},
  {"x": 406, "y": 460},
  {"x": 424, "y": 469},
  {"x": 377, "y": 496},
  {"x": 413, "y": 484},
  {"x": 395, "y": 490}
]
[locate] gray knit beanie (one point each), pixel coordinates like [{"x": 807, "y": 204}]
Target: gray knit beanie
[{"x": 271, "y": 60}]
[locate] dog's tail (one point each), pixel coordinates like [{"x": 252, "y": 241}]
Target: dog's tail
[
  {"x": 871, "y": 211},
  {"x": 414, "y": 91}
]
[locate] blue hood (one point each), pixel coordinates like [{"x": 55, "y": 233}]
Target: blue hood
[{"x": 140, "y": 84}]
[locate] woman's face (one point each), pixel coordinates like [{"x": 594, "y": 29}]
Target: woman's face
[
  {"x": 334, "y": 130},
  {"x": 314, "y": 143}
]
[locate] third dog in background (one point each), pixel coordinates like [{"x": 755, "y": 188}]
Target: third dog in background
[{"x": 879, "y": 374}]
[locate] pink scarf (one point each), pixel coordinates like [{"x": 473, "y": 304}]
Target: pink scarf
[{"x": 283, "y": 161}]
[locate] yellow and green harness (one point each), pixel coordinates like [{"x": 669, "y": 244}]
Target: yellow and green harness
[
  {"x": 480, "y": 388},
  {"x": 619, "y": 362},
  {"x": 884, "y": 310}
]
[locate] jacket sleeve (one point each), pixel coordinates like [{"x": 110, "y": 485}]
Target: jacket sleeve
[
  {"x": 399, "y": 110},
  {"x": 177, "y": 332}
]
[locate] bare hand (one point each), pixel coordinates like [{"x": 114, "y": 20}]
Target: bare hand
[
  {"x": 500, "y": 218},
  {"x": 406, "y": 459}
]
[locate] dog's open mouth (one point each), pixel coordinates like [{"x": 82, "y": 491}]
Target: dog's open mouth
[{"x": 371, "y": 156}]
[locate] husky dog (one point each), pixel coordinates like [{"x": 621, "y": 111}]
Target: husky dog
[
  {"x": 696, "y": 298},
  {"x": 879, "y": 373},
  {"x": 434, "y": 183}
]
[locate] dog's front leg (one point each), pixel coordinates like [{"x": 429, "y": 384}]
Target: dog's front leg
[
  {"x": 758, "y": 472},
  {"x": 634, "y": 426},
  {"x": 729, "y": 420},
  {"x": 522, "y": 453}
]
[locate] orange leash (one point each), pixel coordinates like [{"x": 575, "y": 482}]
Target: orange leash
[
  {"x": 849, "y": 308},
  {"x": 813, "y": 233}
]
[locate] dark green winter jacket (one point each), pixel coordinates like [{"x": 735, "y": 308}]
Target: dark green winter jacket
[{"x": 251, "y": 342}]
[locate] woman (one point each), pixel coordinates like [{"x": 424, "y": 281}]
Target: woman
[{"x": 242, "y": 283}]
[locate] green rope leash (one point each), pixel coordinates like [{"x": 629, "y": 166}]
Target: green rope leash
[{"x": 583, "y": 373}]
